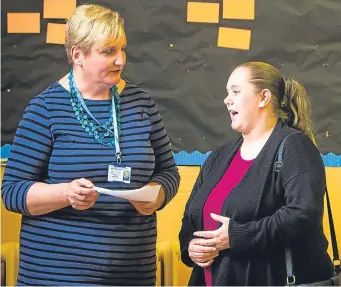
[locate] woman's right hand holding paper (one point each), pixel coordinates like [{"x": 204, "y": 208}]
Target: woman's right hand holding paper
[{"x": 81, "y": 194}]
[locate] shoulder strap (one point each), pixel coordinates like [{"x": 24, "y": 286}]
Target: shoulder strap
[
  {"x": 279, "y": 162},
  {"x": 288, "y": 255},
  {"x": 336, "y": 258}
]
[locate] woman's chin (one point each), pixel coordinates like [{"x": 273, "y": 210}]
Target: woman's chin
[
  {"x": 235, "y": 126},
  {"x": 113, "y": 81}
]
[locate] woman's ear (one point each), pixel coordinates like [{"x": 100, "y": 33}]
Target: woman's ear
[
  {"x": 76, "y": 56},
  {"x": 265, "y": 97}
]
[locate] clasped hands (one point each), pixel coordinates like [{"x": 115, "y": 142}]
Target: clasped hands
[{"x": 205, "y": 248}]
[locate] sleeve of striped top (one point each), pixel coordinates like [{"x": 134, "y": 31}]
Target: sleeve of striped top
[
  {"x": 166, "y": 172},
  {"x": 29, "y": 156}
]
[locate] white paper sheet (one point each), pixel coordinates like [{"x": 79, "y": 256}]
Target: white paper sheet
[{"x": 146, "y": 193}]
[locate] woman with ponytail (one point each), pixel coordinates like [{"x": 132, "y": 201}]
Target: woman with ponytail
[{"x": 242, "y": 212}]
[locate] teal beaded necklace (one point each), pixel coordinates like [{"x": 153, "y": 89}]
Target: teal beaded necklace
[{"x": 102, "y": 133}]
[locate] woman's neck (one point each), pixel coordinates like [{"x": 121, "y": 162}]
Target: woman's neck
[
  {"x": 89, "y": 90},
  {"x": 254, "y": 141},
  {"x": 260, "y": 132}
]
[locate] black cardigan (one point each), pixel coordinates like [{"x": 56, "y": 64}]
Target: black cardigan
[{"x": 268, "y": 210}]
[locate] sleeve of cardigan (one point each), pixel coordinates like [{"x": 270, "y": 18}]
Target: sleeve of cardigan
[
  {"x": 303, "y": 188},
  {"x": 187, "y": 229},
  {"x": 29, "y": 156},
  {"x": 165, "y": 172}
]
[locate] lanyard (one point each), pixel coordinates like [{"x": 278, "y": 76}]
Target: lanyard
[{"x": 114, "y": 120}]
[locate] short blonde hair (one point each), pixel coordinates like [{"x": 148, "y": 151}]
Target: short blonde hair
[{"x": 91, "y": 24}]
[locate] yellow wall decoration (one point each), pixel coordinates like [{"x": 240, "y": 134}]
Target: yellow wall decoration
[
  {"x": 228, "y": 37},
  {"x": 23, "y": 22}
]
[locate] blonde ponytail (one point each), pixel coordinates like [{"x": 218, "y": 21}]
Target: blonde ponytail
[{"x": 296, "y": 107}]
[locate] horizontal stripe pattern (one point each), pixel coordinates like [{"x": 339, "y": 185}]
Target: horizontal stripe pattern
[{"x": 111, "y": 243}]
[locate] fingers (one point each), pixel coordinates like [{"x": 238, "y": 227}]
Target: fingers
[
  {"x": 205, "y": 234},
  {"x": 144, "y": 204},
  {"x": 86, "y": 199},
  {"x": 81, "y": 194},
  {"x": 81, "y": 205},
  {"x": 200, "y": 258},
  {"x": 144, "y": 208},
  {"x": 205, "y": 242},
  {"x": 145, "y": 211},
  {"x": 218, "y": 217},
  {"x": 86, "y": 191},
  {"x": 81, "y": 187},
  {"x": 201, "y": 254},
  {"x": 209, "y": 242},
  {"x": 84, "y": 182},
  {"x": 206, "y": 264},
  {"x": 204, "y": 257},
  {"x": 203, "y": 249}
]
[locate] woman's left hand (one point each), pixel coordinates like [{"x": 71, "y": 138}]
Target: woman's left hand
[
  {"x": 148, "y": 208},
  {"x": 219, "y": 237}
]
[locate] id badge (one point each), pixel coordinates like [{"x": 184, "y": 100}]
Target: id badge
[{"x": 119, "y": 172}]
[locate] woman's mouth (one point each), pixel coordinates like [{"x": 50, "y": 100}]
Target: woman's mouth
[{"x": 233, "y": 113}]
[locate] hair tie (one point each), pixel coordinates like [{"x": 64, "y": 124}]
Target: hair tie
[{"x": 284, "y": 101}]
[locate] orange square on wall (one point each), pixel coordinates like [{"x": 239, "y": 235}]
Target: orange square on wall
[
  {"x": 234, "y": 38},
  {"x": 59, "y": 9},
  {"x": 202, "y": 12},
  {"x": 55, "y": 33},
  {"x": 23, "y": 22},
  {"x": 239, "y": 9}
]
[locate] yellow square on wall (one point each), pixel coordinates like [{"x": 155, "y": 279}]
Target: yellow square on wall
[
  {"x": 23, "y": 22},
  {"x": 234, "y": 38},
  {"x": 59, "y": 9},
  {"x": 202, "y": 12},
  {"x": 55, "y": 33},
  {"x": 239, "y": 9}
]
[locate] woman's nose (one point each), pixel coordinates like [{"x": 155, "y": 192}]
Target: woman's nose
[
  {"x": 227, "y": 101},
  {"x": 120, "y": 59}
]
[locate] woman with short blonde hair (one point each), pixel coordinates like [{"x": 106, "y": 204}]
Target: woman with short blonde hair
[{"x": 90, "y": 129}]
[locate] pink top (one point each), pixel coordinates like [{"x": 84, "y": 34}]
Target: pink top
[{"x": 215, "y": 200}]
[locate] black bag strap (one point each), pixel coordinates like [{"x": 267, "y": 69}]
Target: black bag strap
[
  {"x": 288, "y": 255},
  {"x": 336, "y": 257}
]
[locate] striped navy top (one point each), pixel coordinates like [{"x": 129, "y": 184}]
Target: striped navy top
[{"x": 110, "y": 243}]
